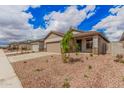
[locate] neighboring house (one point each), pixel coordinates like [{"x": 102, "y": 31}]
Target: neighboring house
[
  {"x": 13, "y": 46},
  {"x": 117, "y": 47},
  {"x": 89, "y": 42},
  {"x": 37, "y": 45},
  {"x": 32, "y": 46},
  {"x": 24, "y": 46},
  {"x": 20, "y": 46}
]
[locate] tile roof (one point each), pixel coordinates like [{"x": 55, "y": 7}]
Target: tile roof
[
  {"x": 80, "y": 34},
  {"x": 122, "y": 37}
]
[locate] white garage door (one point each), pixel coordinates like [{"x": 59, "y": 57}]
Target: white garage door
[
  {"x": 35, "y": 48},
  {"x": 53, "y": 47}
]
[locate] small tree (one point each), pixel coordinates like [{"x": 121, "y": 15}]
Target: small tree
[{"x": 66, "y": 45}]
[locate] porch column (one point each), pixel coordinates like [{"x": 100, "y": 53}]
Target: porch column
[
  {"x": 95, "y": 45},
  {"x": 83, "y": 45}
]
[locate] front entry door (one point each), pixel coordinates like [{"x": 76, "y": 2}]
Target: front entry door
[{"x": 79, "y": 45}]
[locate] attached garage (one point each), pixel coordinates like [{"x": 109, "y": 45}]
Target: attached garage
[
  {"x": 53, "y": 47},
  {"x": 35, "y": 48},
  {"x": 52, "y": 42},
  {"x": 37, "y": 45}
]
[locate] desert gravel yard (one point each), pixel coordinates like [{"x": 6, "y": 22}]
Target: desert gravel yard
[{"x": 86, "y": 71}]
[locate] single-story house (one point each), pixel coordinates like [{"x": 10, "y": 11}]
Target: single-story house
[
  {"x": 89, "y": 42},
  {"x": 32, "y": 46},
  {"x": 13, "y": 46},
  {"x": 37, "y": 45},
  {"x": 117, "y": 47},
  {"x": 20, "y": 46}
]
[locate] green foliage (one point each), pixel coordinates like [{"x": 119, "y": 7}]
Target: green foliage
[
  {"x": 66, "y": 45},
  {"x": 66, "y": 84}
]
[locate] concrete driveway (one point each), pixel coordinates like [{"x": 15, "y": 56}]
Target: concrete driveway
[
  {"x": 24, "y": 57},
  {"x": 8, "y": 78}
]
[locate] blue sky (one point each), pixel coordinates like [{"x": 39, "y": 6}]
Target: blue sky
[
  {"x": 98, "y": 18},
  {"x": 40, "y": 12},
  {"x": 19, "y": 23}
]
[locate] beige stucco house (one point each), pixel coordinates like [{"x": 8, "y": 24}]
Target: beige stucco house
[
  {"x": 32, "y": 46},
  {"x": 37, "y": 45},
  {"x": 89, "y": 42},
  {"x": 20, "y": 46},
  {"x": 117, "y": 47}
]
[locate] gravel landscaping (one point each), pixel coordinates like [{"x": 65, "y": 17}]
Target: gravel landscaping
[{"x": 85, "y": 71}]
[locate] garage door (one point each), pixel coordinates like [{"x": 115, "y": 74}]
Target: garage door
[
  {"x": 35, "y": 48},
  {"x": 53, "y": 47}
]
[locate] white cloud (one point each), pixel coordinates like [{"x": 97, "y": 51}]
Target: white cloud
[
  {"x": 14, "y": 24},
  {"x": 71, "y": 17},
  {"x": 35, "y": 6},
  {"x": 112, "y": 24}
]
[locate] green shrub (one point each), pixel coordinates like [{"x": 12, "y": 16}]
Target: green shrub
[{"x": 66, "y": 84}]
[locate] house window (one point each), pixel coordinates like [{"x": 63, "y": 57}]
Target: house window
[{"x": 89, "y": 43}]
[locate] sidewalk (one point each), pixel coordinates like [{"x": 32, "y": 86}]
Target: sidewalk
[
  {"x": 24, "y": 57},
  {"x": 8, "y": 78}
]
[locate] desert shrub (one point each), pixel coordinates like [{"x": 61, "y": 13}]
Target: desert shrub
[
  {"x": 77, "y": 53},
  {"x": 66, "y": 84},
  {"x": 86, "y": 58},
  {"x": 72, "y": 60},
  {"x": 85, "y": 76},
  {"x": 90, "y": 67},
  {"x": 121, "y": 61},
  {"x": 116, "y": 60},
  {"x": 119, "y": 56},
  {"x": 122, "y": 78},
  {"x": 47, "y": 60},
  {"x": 91, "y": 54},
  {"x": 38, "y": 69},
  {"x": 25, "y": 61},
  {"x": 82, "y": 61}
]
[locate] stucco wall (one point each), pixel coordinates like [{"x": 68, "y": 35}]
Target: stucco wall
[
  {"x": 50, "y": 43},
  {"x": 95, "y": 45},
  {"x": 116, "y": 48},
  {"x": 40, "y": 45},
  {"x": 52, "y": 35},
  {"x": 83, "y": 45},
  {"x": 52, "y": 38},
  {"x": 103, "y": 46}
]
